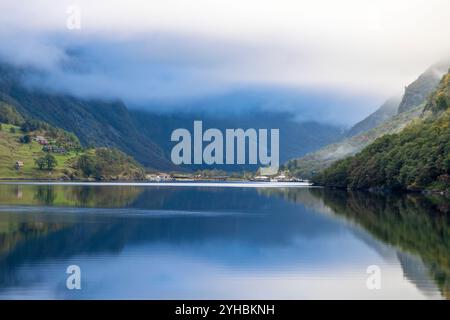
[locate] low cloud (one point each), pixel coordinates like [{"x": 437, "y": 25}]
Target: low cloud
[{"x": 174, "y": 50}]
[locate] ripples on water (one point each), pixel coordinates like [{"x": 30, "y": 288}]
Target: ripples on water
[{"x": 220, "y": 243}]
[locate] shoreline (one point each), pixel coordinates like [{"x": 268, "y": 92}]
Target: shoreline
[
  {"x": 223, "y": 184},
  {"x": 389, "y": 191}
]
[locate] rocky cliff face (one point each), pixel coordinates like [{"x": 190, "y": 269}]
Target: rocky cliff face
[{"x": 418, "y": 91}]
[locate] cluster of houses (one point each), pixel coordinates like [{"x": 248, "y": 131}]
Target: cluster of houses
[
  {"x": 47, "y": 147},
  {"x": 54, "y": 149},
  {"x": 159, "y": 177},
  {"x": 164, "y": 177},
  {"x": 282, "y": 177}
]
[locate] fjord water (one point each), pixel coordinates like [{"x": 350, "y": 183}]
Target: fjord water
[{"x": 147, "y": 242}]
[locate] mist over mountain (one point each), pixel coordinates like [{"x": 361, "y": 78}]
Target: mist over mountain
[
  {"x": 385, "y": 112},
  {"x": 390, "y": 118},
  {"x": 131, "y": 66},
  {"x": 296, "y": 138},
  {"x": 145, "y": 133},
  {"x": 416, "y": 159},
  {"x": 100, "y": 123},
  {"x": 418, "y": 91}
]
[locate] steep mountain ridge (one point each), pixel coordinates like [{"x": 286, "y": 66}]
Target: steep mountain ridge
[
  {"x": 411, "y": 107},
  {"x": 417, "y": 158},
  {"x": 418, "y": 91},
  {"x": 314, "y": 162},
  {"x": 382, "y": 114}
]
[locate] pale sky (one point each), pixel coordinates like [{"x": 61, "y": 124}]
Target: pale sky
[{"x": 197, "y": 47}]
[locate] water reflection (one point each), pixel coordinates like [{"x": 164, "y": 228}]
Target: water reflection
[
  {"x": 138, "y": 242},
  {"x": 414, "y": 223}
]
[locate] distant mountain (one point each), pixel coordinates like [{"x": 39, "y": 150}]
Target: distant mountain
[
  {"x": 96, "y": 123},
  {"x": 418, "y": 91},
  {"x": 417, "y": 158},
  {"x": 296, "y": 138},
  {"x": 145, "y": 135},
  {"x": 372, "y": 127},
  {"x": 382, "y": 114},
  {"x": 314, "y": 162}
]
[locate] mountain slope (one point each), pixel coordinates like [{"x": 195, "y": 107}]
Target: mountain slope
[
  {"x": 12, "y": 150},
  {"x": 417, "y": 158},
  {"x": 145, "y": 135},
  {"x": 411, "y": 106},
  {"x": 105, "y": 164},
  {"x": 312, "y": 135},
  {"x": 383, "y": 113},
  {"x": 418, "y": 91},
  {"x": 312, "y": 163},
  {"x": 95, "y": 123}
]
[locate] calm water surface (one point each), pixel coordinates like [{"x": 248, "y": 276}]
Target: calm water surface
[{"x": 138, "y": 242}]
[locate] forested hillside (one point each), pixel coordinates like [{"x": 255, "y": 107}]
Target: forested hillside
[
  {"x": 96, "y": 123},
  {"x": 386, "y": 120},
  {"x": 417, "y": 158},
  {"x": 314, "y": 162},
  {"x": 33, "y": 149}
]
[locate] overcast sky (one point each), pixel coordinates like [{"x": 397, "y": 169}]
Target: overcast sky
[{"x": 169, "y": 49}]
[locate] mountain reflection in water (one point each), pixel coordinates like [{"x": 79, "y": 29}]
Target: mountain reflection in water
[{"x": 189, "y": 243}]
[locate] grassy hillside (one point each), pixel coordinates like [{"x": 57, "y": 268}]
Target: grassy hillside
[
  {"x": 12, "y": 150},
  {"x": 417, "y": 158},
  {"x": 107, "y": 164}
]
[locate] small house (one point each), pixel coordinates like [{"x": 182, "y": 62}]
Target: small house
[
  {"x": 41, "y": 140},
  {"x": 19, "y": 164}
]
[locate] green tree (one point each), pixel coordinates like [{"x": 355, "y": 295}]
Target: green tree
[
  {"x": 40, "y": 163},
  {"x": 86, "y": 164},
  {"x": 441, "y": 101},
  {"x": 47, "y": 162},
  {"x": 25, "y": 139}
]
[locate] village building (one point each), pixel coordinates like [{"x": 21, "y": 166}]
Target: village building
[
  {"x": 18, "y": 165},
  {"x": 159, "y": 177},
  {"x": 282, "y": 177},
  {"x": 261, "y": 178},
  {"x": 41, "y": 140},
  {"x": 54, "y": 149}
]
